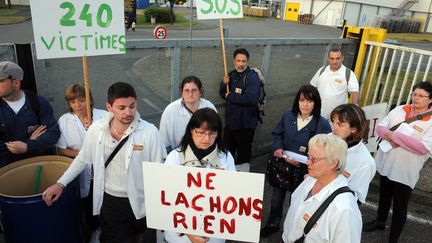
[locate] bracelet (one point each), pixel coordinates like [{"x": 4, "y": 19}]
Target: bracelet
[{"x": 60, "y": 185}]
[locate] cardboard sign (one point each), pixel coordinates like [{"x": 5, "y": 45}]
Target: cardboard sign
[
  {"x": 205, "y": 202},
  {"x": 219, "y": 9},
  {"x": 374, "y": 114},
  {"x": 72, "y": 28}
]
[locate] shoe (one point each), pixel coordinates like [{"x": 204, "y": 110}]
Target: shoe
[
  {"x": 373, "y": 226},
  {"x": 268, "y": 230}
]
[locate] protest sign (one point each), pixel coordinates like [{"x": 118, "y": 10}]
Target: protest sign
[
  {"x": 219, "y": 9},
  {"x": 73, "y": 28},
  {"x": 374, "y": 114},
  {"x": 205, "y": 202}
]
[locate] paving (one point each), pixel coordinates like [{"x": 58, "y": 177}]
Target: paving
[{"x": 419, "y": 225}]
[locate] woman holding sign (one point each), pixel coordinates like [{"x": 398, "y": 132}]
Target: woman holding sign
[
  {"x": 407, "y": 130},
  {"x": 350, "y": 124},
  {"x": 177, "y": 114},
  {"x": 202, "y": 147},
  {"x": 291, "y": 136}
]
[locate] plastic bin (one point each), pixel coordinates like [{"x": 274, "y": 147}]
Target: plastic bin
[{"x": 25, "y": 216}]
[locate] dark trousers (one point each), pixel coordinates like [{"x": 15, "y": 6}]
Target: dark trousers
[
  {"x": 276, "y": 209},
  {"x": 399, "y": 194},
  {"x": 239, "y": 142},
  {"x": 118, "y": 223}
]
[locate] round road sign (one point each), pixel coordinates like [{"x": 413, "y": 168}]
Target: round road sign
[{"x": 160, "y": 32}]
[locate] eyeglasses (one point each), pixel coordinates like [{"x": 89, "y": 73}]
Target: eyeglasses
[
  {"x": 419, "y": 95},
  {"x": 202, "y": 134},
  {"x": 314, "y": 161},
  {"x": 190, "y": 91}
]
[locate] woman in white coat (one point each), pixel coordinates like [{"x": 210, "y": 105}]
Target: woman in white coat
[
  {"x": 201, "y": 146},
  {"x": 177, "y": 114},
  {"x": 349, "y": 123}
]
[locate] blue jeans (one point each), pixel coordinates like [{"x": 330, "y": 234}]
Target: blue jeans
[{"x": 276, "y": 209}]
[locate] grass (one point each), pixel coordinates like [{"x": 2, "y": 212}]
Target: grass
[
  {"x": 7, "y": 16},
  {"x": 10, "y": 11},
  {"x": 410, "y": 37},
  {"x": 181, "y": 20}
]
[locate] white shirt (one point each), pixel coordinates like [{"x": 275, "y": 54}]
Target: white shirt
[
  {"x": 174, "y": 121},
  {"x": 18, "y": 104},
  {"x": 333, "y": 88},
  {"x": 226, "y": 162},
  {"x": 72, "y": 136},
  {"x": 340, "y": 222},
  {"x": 399, "y": 164},
  {"x": 144, "y": 144},
  {"x": 359, "y": 170}
]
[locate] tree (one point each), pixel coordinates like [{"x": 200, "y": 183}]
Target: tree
[
  {"x": 9, "y": 3},
  {"x": 171, "y": 11}
]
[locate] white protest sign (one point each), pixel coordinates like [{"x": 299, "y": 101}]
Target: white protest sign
[
  {"x": 72, "y": 28},
  {"x": 374, "y": 114},
  {"x": 205, "y": 202},
  {"x": 219, "y": 9}
]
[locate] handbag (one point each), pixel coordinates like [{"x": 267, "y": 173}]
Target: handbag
[
  {"x": 284, "y": 175},
  {"x": 320, "y": 211}
]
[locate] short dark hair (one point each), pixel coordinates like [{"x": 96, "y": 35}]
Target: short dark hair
[
  {"x": 426, "y": 86},
  {"x": 310, "y": 93},
  {"x": 335, "y": 49},
  {"x": 77, "y": 91},
  {"x": 191, "y": 79},
  {"x": 241, "y": 51},
  {"x": 356, "y": 118},
  {"x": 213, "y": 122},
  {"x": 120, "y": 90}
]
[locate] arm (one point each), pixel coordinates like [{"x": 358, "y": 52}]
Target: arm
[
  {"x": 354, "y": 96},
  {"x": 409, "y": 143},
  {"x": 67, "y": 152},
  {"x": 315, "y": 78},
  {"x": 353, "y": 88},
  {"x": 250, "y": 95},
  {"x": 222, "y": 89},
  {"x": 278, "y": 134},
  {"x": 164, "y": 128}
]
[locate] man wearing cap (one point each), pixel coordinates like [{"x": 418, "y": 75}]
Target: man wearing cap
[{"x": 27, "y": 124}]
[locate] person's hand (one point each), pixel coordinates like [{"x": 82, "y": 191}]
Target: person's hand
[
  {"x": 293, "y": 162},
  {"x": 52, "y": 194},
  {"x": 278, "y": 153},
  {"x": 39, "y": 131},
  {"x": 226, "y": 79},
  {"x": 393, "y": 144},
  {"x": 17, "y": 147},
  {"x": 197, "y": 239},
  {"x": 388, "y": 136}
]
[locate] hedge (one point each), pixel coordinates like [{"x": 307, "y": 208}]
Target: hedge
[{"x": 162, "y": 15}]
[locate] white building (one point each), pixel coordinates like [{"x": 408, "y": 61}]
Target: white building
[{"x": 363, "y": 12}]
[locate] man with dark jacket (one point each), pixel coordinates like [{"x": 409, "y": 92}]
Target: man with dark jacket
[
  {"x": 24, "y": 131},
  {"x": 241, "y": 112}
]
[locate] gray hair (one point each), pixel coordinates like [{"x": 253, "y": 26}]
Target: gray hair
[{"x": 335, "y": 149}]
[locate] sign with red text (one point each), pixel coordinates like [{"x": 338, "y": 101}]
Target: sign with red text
[
  {"x": 219, "y": 9},
  {"x": 73, "y": 28},
  {"x": 374, "y": 114},
  {"x": 205, "y": 202},
  {"x": 160, "y": 32}
]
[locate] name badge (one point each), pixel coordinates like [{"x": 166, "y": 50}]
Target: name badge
[
  {"x": 138, "y": 147},
  {"x": 338, "y": 81},
  {"x": 31, "y": 129},
  {"x": 346, "y": 174},
  {"x": 302, "y": 149},
  {"x": 238, "y": 91},
  {"x": 419, "y": 129}
]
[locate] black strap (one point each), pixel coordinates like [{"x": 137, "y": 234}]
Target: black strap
[
  {"x": 412, "y": 119},
  {"x": 34, "y": 103},
  {"x": 122, "y": 142},
  {"x": 322, "y": 209}
]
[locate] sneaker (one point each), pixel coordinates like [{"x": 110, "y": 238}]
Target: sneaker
[
  {"x": 373, "y": 226},
  {"x": 268, "y": 230}
]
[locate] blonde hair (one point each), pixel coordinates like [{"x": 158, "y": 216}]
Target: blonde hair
[
  {"x": 76, "y": 91},
  {"x": 335, "y": 149}
]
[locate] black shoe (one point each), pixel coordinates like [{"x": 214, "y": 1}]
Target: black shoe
[
  {"x": 268, "y": 230},
  {"x": 373, "y": 226}
]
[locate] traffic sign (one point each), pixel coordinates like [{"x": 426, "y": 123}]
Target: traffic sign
[{"x": 160, "y": 32}]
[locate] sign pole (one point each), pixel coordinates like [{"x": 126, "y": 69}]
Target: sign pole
[
  {"x": 223, "y": 51},
  {"x": 87, "y": 89}
]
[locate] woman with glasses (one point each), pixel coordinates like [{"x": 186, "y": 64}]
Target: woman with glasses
[
  {"x": 400, "y": 166},
  {"x": 292, "y": 133},
  {"x": 341, "y": 221},
  {"x": 350, "y": 124},
  {"x": 73, "y": 127},
  {"x": 177, "y": 114},
  {"x": 201, "y": 146}
]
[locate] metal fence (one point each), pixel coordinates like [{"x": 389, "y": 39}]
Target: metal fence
[{"x": 155, "y": 69}]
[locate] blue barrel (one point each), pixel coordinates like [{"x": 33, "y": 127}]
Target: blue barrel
[{"x": 25, "y": 216}]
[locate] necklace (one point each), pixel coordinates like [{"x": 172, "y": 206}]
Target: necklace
[{"x": 118, "y": 131}]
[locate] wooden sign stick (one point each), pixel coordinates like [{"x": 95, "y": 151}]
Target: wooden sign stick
[
  {"x": 223, "y": 51},
  {"x": 87, "y": 89}
]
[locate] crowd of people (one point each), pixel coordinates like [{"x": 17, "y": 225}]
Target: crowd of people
[{"x": 321, "y": 136}]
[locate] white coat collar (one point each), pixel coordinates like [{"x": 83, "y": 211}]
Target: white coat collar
[{"x": 189, "y": 159}]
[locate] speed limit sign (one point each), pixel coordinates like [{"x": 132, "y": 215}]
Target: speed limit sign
[{"x": 160, "y": 32}]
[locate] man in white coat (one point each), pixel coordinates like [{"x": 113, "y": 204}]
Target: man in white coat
[{"x": 118, "y": 195}]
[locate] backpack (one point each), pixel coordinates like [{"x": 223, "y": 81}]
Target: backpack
[
  {"x": 347, "y": 75},
  {"x": 262, "y": 95}
]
